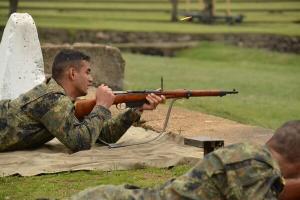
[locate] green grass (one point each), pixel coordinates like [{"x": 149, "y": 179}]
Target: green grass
[
  {"x": 125, "y": 16},
  {"x": 268, "y": 82},
  {"x": 157, "y": 5},
  {"x": 257, "y": 17},
  {"x": 153, "y": 26},
  {"x": 261, "y": 17},
  {"x": 63, "y": 185}
]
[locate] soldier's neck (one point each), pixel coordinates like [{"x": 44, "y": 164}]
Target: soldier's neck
[
  {"x": 69, "y": 89},
  {"x": 288, "y": 169}
]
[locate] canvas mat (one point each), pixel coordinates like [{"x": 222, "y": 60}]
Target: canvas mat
[{"x": 167, "y": 150}]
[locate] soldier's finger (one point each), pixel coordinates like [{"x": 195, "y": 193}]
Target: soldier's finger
[
  {"x": 150, "y": 100},
  {"x": 154, "y": 98},
  {"x": 163, "y": 99},
  {"x": 157, "y": 98}
]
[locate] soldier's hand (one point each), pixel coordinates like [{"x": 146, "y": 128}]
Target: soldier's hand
[
  {"x": 104, "y": 96},
  {"x": 153, "y": 101}
]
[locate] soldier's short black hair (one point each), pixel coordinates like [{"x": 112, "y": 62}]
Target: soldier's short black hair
[
  {"x": 64, "y": 59},
  {"x": 286, "y": 141}
]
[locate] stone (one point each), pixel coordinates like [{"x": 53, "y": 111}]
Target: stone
[{"x": 106, "y": 62}]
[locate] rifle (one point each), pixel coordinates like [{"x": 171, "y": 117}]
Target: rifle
[
  {"x": 291, "y": 189},
  {"x": 138, "y": 98}
]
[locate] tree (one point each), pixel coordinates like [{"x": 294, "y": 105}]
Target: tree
[
  {"x": 208, "y": 11},
  {"x": 174, "y": 10},
  {"x": 13, "y": 6}
]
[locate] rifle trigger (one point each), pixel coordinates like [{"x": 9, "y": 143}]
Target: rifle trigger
[
  {"x": 121, "y": 106},
  {"x": 188, "y": 94}
]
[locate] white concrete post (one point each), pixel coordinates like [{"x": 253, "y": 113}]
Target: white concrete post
[{"x": 21, "y": 59}]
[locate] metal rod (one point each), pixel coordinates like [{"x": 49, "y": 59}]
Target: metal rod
[
  {"x": 161, "y": 83},
  {"x": 168, "y": 114}
]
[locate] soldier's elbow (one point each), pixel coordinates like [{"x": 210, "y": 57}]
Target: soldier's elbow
[{"x": 80, "y": 147}]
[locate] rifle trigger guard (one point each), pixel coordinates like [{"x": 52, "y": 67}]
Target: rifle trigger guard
[
  {"x": 188, "y": 94},
  {"x": 120, "y": 106}
]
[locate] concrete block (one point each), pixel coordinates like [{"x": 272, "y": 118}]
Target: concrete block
[{"x": 21, "y": 66}]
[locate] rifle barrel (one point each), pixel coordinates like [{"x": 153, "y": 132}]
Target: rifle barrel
[
  {"x": 174, "y": 93},
  {"x": 84, "y": 107}
]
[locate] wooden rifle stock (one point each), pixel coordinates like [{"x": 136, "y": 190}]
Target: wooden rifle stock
[
  {"x": 291, "y": 190},
  {"x": 138, "y": 98}
]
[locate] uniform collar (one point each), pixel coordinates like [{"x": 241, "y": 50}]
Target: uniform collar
[
  {"x": 54, "y": 86},
  {"x": 271, "y": 159}
]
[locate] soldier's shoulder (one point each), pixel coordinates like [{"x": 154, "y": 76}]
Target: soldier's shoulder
[
  {"x": 42, "y": 98},
  {"x": 240, "y": 152},
  {"x": 48, "y": 90},
  {"x": 237, "y": 156}
]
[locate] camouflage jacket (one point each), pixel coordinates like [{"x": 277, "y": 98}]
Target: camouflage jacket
[
  {"x": 237, "y": 172},
  {"x": 46, "y": 112}
]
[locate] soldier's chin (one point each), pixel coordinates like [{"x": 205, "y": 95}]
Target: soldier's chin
[{"x": 83, "y": 93}]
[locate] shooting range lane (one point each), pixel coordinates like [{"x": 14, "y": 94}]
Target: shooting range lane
[{"x": 191, "y": 124}]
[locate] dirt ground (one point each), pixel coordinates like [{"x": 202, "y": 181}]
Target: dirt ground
[{"x": 193, "y": 124}]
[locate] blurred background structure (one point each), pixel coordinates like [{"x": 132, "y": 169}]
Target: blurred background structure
[
  {"x": 263, "y": 16},
  {"x": 271, "y": 24}
]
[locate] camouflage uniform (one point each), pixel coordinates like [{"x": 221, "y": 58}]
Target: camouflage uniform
[
  {"x": 46, "y": 112},
  {"x": 237, "y": 172}
]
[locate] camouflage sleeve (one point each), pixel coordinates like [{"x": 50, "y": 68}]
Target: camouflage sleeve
[
  {"x": 56, "y": 113},
  {"x": 212, "y": 179},
  {"x": 197, "y": 183},
  {"x": 246, "y": 177},
  {"x": 114, "y": 128}
]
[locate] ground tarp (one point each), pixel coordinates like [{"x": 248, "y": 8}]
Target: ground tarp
[{"x": 165, "y": 151}]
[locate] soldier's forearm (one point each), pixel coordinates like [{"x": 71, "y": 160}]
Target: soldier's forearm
[{"x": 115, "y": 128}]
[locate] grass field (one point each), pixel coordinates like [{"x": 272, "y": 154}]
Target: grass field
[
  {"x": 268, "y": 82},
  {"x": 63, "y": 185},
  {"x": 263, "y": 16}
]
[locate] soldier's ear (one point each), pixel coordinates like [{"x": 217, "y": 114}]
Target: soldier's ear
[{"x": 71, "y": 73}]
